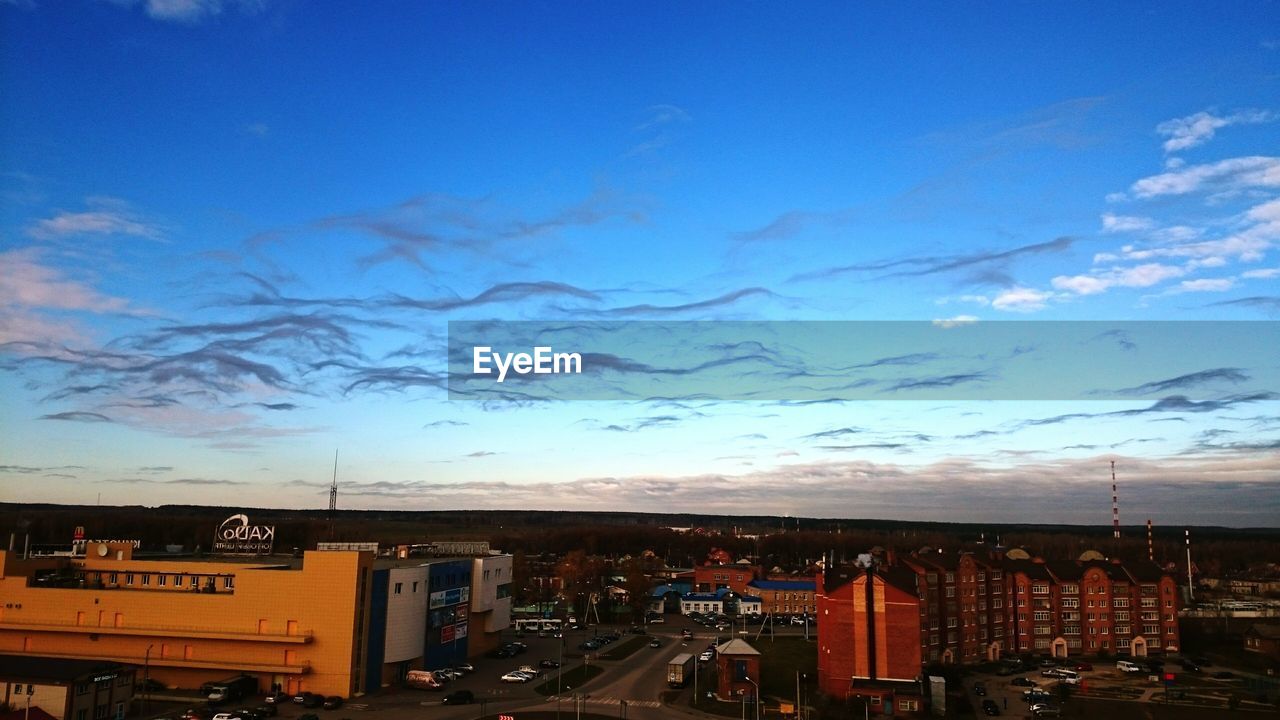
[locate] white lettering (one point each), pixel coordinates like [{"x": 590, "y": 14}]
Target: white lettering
[{"x": 542, "y": 362}]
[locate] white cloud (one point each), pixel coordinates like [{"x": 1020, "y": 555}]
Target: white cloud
[
  {"x": 1232, "y": 173},
  {"x": 1021, "y": 299},
  {"x": 1206, "y": 285},
  {"x": 1263, "y": 274},
  {"x": 1192, "y": 130},
  {"x": 29, "y": 283},
  {"x": 1125, "y": 223},
  {"x": 1174, "y": 163},
  {"x": 190, "y": 11},
  {"x": 1137, "y": 276},
  {"x": 105, "y": 216},
  {"x": 260, "y": 129},
  {"x": 957, "y": 321}
]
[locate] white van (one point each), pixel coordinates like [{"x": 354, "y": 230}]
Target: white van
[
  {"x": 1126, "y": 666},
  {"x": 1070, "y": 677}
]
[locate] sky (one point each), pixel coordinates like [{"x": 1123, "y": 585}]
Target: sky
[{"x": 234, "y": 236}]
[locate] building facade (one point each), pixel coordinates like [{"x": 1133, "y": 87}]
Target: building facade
[
  {"x": 67, "y": 689},
  {"x": 885, "y": 620},
  {"x": 785, "y": 597}
]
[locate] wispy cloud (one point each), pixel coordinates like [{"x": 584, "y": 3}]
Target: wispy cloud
[
  {"x": 1021, "y": 299},
  {"x": 105, "y": 216},
  {"x": 78, "y": 416},
  {"x": 1192, "y": 130},
  {"x": 980, "y": 263},
  {"x": 1196, "y": 379},
  {"x": 1233, "y": 173},
  {"x": 191, "y": 12}
]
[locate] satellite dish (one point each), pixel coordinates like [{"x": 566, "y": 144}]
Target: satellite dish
[{"x": 102, "y": 551}]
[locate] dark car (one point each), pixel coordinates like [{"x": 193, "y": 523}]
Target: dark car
[
  {"x": 459, "y": 697},
  {"x": 266, "y": 711},
  {"x": 655, "y": 643},
  {"x": 1082, "y": 666},
  {"x": 589, "y": 645},
  {"x": 1190, "y": 666},
  {"x": 1023, "y": 682},
  {"x": 313, "y": 700},
  {"x": 1224, "y": 675},
  {"x": 979, "y": 689},
  {"x": 309, "y": 716},
  {"x": 549, "y": 664},
  {"x": 989, "y": 707},
  {"x": 333, "y": 702}
]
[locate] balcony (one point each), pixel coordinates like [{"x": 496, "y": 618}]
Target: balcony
[{"x": 169, "y": 631}]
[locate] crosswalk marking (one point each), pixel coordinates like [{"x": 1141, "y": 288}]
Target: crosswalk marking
[{"x": 608, "y": 700}]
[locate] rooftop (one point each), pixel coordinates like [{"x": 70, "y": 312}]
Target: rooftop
[{"x": 35, "y": 667}]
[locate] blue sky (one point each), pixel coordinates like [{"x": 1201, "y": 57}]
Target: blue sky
[{"x": 232, "y": 235}]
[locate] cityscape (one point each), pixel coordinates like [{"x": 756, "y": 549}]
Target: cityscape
[{"x": 527, "y": 360}]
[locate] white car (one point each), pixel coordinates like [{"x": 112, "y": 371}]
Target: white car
[
  {"x": 529, "y": 670},
  {"x": 707, "y": 656},
  {"x": 515, "y": 677}
]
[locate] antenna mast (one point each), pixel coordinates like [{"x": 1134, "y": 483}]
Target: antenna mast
[
  {"x": 333, "y": 493},
  {"x": 1115, "y": 505}
]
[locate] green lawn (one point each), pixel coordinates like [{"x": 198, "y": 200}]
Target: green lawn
[
  {"x": 780, "y": 659},
  {"x": 569, "y": 679},
  {"x": 625, "y": 648}
]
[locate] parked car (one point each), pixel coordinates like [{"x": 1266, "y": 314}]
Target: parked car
[
  {"x": 707, "y": 656},
  {"x": 549, "y": 664},
  {"x": 1022, "y": 682},
  {"x": 267, "y": 711},
  {"x": 309, "y": 716},
  {"x": 515, "y": 677},
  {"x": 333, "y": 702},
  {"x": 465, "y": 667},
  {"x": 313, "y": 701},
  {"x": 979, "y": 689},
  {"x": 529, "y": 670},
  {"x": 989, "y": 707},
  {"x": 1046, "y": 710},
  {"x": 458, "y": 697},
  {"x": 1035, "y": 695},
  {"x": 589, "y": 645},
  {"x": 1189, "y": 666}
]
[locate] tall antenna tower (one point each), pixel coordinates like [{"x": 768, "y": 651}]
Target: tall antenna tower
[
  {"x": 1115, "y": 505},
  {"x": 333, "y": 493},
  {"x": 1151, "y": 547},
  {"x": 1191, "y": 587}
]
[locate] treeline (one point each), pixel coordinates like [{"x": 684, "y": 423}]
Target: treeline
[{"x": 615, "y": 535}]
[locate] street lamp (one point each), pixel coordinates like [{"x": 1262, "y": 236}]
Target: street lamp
[
  {"x": 756, "y": 697},
  {"x": 559, "y": 676}
]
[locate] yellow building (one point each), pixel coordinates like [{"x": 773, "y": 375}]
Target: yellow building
[{"x": 296, "y": 624}]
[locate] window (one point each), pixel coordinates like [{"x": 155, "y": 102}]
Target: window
[
  {"x": 909, "y": 705},
  {"x": 82, "y": 714},
  {"x": 160, "y": 580},
  {"x": 399, "y": 587},
  {"x": 195, "y": 581},
  {"x": 177, "y": 581},
  {"x": 415, "y": 586},
  {"x": 951, "y": 577},
  {"x": 1042, "y": 615},
  {"x": 951, "y": 592},
  {"x": 228, "y": 582},
  {"x": 1071, "y": 590},
  {"x": 128, "y": 578},
  {"x": 100, "y": 712},
  {"x": 146, "y": 580},
  {"x": 1070, "y": 602}
]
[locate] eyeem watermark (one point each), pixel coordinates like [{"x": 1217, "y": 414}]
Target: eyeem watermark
[{"x": 542, "y": 362}]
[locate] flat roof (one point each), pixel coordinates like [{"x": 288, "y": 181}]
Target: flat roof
[{"x": 36, "y": 667}]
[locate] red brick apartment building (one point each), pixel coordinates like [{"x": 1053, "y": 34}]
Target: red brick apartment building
[{"x": 966, "y": 608}]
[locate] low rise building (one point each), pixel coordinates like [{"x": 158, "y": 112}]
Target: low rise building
[{"x": 67, "y": 689}]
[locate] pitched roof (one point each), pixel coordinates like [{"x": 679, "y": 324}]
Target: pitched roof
[
  {"x": 737, "y": 646},
  {"x": 35, "y": 667},
  {"x": 1270, "y": 632}
]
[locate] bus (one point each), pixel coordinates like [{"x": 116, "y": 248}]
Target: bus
[{"x": 539, "y": 625}]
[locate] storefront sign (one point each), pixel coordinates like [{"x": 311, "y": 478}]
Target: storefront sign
[{"x": 236, "y": 536}]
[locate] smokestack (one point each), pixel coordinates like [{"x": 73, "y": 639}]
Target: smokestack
[{"x": 1115, "y": 505}]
